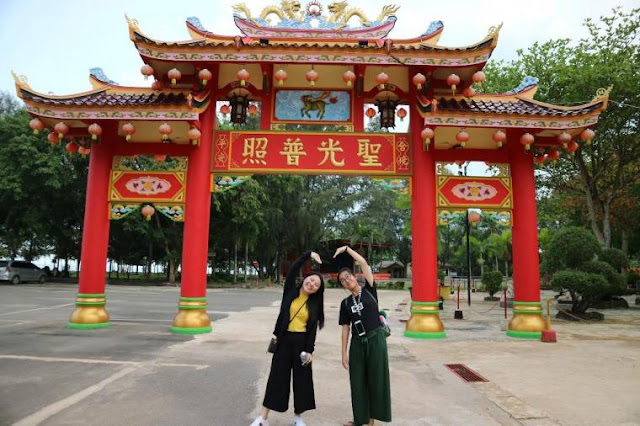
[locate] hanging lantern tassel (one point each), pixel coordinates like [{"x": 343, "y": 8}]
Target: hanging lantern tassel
[
  {"x": 587, "y": 135},
  {"x": 95, "y": 130},
  {"x": 205, "y": 75},
  {"x": 427, "y": 134},
  {"x": 36, "y": 125},
  {"x": 453, "y": 80},
  {"x": 462, "y": 137},
  {"x": 194, "y": 135},
  {"x": 147, "y": 211},
  {"x": 526, "y": 140},
  {"x": 243, "y": 75}
]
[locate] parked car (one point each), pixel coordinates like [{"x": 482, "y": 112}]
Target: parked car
[{"x": 17, "y": 271}]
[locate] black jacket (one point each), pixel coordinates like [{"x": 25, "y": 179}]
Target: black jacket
[{"x": 291, "y": 291}]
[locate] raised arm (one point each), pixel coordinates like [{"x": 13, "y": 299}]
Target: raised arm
[
  {"x": 366, "y": 269},
  {"x": 294, "y": 270}
]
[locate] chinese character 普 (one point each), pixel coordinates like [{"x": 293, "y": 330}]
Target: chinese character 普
[{"x": 293, "y": 150}]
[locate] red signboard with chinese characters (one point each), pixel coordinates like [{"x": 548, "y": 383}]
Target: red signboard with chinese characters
[
  {"x": 147, "y": 186},
  {"x": 481, "y": 192},
  {"x": 312, "y": 153}
]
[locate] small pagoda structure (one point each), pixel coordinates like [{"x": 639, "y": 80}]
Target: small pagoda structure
[{"x": 307, "y": 65}]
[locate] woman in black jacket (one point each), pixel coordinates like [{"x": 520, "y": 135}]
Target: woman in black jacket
[{"x": 301, "y": 314}]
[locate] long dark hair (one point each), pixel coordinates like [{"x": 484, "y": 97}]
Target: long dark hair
[{"x": 316, "y": 301}]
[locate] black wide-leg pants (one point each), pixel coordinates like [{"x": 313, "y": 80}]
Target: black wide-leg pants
[{"x": 285, "y": 360}]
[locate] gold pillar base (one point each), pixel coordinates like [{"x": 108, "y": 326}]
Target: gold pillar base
[
  {"x": 527, "y": 321},
  {"x": 90, "y": 312},
  {"x": 425, "y": 322},
  {"x": 192, "y": 316}
]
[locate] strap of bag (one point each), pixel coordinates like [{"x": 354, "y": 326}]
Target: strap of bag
[{"x": 298, "y": 311}]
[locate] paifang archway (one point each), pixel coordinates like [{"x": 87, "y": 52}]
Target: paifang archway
[{"x": 309, "y": 68}]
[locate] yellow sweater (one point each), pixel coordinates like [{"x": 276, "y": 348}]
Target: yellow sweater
[{"x": 299, "y": 323}]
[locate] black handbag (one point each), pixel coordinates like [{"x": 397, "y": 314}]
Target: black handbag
[{"x": 273, "y": 343}]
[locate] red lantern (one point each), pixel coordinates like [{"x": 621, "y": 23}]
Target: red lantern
[
  {"x": 572, "y": 147},
  {"x": 312, "y": 76},
  {"x": 156, "y": 85},
  {"x": 95, "y": 130},
  {"x": 225, "y": 109},
  {"x": 419, "y": 79},
  {"x": 159, "y": 158},
  {"x": 61, "y": 129},
  {"x": 553, "y": 155},
  {"x": 402, "y": 113},
  {"x": 205, "y": 75},
  {"x": 478, "y": 77},
  {"x": 84, "y": 151},
  {"x": 252, "y": 109},
  {"x": 129, "y": 130},
  {"x": 468, "y": 92},
  {"x": 460, "y": 163},
  {"x": 243, "y": 75},
  {"x": 371, "y": 112},
  {"x": 426, "y": 135},
  {"x": 36, "y": 125},
  {"x": 526, "y": 140},
  {"x": 540, "y": 159},
  {"x": 349, "y": 77},
  {"x": 281, "y": 76},
  {"x": 474, "y": 217},
  {"x": 382, "y": 79},
  {"x": 174, "y": 75},
  {"x": 453, "y": 80},
  {"x": 147, "y": 211},
  {"x": 587, "y": 135},
  {"x": 53, "y": 138},
  {"x": 462, "y": 137},
  {"x": 147, "y": 70},
  {"x": 165, "y": 130},
  {"x": 72, "y": 147},
  {"x": 194, "y": 134},
  {"x": 564, "y": 138},
  {"x": 499, "y": 137}
]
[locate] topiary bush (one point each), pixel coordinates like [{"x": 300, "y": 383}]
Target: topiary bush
[
  {"x": 492, "y": 282},
  {"x": 570, "y": 248},
  {"x": 615, "y": 257},
  {"x": 615, "y": 284},
  {"x": 584, "y": 287},
  {"x": 632, "y": 278}
]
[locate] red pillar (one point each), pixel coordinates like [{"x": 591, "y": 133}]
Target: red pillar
[
  {"x": 527, "y": 321},
  {"x": 192, "y": 316},
  {"x": 90, "y": 309},
  {"x": 425, "y": 320}
]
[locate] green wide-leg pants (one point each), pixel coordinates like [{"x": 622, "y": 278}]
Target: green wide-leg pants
[{"x": 369, "y": 376}]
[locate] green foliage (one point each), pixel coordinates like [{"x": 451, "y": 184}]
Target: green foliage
[
  {"x": 632, "y": 278},
  {"x": 615, "y": 280},
  {"x": 615, "y": 258},
  {"x": 584, "y": 287},
  {"x": 492, "y": 282},
  {"x": 570, "y": 248}
]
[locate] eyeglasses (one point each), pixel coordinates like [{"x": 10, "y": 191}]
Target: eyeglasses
[{"x": 345, "y": 277}]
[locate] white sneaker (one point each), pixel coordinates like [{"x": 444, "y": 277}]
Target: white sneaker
[
  {"x": 259, "y": 421},
  {"x": 297, "y": 421}
]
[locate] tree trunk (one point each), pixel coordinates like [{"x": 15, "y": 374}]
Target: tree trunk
[
  {"x": 591, "y": 200},
  {"x": 149, "y": 257},
  {"x": 506, "y": 269},
  {"x": 606, "y": 224},
  {"x": 235, "y": 261},
  {"x": 246, "y": 259},
  {"x": 625, "y": 242},
  {"x": 172, "y": 270},
  {"x": 497, "y": 266},
  {"x": 167, "y": 249}
]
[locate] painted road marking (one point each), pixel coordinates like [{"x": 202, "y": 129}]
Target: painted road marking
[
  {"x": 38, "y": 309},
  {"x": 103, "y": 361}
]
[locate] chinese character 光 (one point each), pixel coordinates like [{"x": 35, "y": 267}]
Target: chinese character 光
[{"x": 330, "y": 148}]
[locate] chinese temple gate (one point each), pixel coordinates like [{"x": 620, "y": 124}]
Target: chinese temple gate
[{"x": 311, "y": 68}]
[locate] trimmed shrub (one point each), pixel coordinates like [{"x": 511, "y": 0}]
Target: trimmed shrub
[
  {"x": 632, "y": 278},
  {"x": 615, "y": 281},
  {"x": 614, "y": 257},
  {"x": 570, "y": 248},
  {"x": 584, "y": 287},
  {"x": 492, "y": 282}
]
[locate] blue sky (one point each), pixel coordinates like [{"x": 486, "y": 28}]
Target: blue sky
[{"x": 55, "y": 43}]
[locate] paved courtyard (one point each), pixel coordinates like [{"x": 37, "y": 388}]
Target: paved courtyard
[{"x": 137, "y": 372}]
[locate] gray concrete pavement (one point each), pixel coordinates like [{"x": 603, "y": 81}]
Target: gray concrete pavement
[{"x": 136, "y": 372}]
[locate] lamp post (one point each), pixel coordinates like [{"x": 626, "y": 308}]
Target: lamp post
[{"x": 463, "y": 172}]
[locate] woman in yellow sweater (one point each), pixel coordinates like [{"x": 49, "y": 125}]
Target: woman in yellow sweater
[{"x": 301, "y": 314}]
